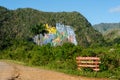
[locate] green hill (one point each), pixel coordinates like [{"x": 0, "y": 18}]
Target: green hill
[
  {"x": 113, "y": 35},
  {"x": 110, "y": 31},
  {"x": 17, "y": 24},
  {"x": 104, "y": 27}
]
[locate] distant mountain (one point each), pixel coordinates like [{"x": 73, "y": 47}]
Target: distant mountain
[
  {"x": 17, "y": 24},
  {"x": 104, "y": 27},
  {"x": 113, "y": 35},
  {"x": 110, "y": 31}
]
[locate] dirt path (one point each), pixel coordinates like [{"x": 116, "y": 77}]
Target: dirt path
[{"x": 19, "y": 72}]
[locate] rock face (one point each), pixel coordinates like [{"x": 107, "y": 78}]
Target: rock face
[{"x": 57, "y": 36}]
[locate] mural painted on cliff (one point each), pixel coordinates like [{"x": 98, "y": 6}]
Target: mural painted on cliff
[{"x": 56, "y": 35}]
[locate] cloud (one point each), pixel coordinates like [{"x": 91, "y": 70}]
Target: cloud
[{"x": 115, "y": 9}]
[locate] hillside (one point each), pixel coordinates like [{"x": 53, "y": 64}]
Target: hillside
[
  {"x": 113, "y": 35},
  {"x": 17, "y": 24},
  {"x": 110, "y": 31},
  {"x": 104, "y": 27}
]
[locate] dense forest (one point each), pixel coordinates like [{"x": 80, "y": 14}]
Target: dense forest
[{"x": 18, "y": 27}]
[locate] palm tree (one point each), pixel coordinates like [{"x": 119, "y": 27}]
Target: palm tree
[{"x": 39, "y": 29}]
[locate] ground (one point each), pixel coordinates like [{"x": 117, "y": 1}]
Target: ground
[{"x": 10, "y": 71}]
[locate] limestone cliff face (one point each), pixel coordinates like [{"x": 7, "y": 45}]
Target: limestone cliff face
[{"x": 57, "y": 36}]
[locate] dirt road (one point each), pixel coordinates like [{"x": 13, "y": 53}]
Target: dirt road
[{"x": 18, "y": 72}]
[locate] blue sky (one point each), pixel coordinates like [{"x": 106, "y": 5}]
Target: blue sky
[{"x": 96, "y": 11}]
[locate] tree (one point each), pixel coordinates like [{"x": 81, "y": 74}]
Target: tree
[{"x": 39, "y": 29}]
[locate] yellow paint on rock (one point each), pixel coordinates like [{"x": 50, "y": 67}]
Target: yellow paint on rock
[{"x": 51, "y": 30}]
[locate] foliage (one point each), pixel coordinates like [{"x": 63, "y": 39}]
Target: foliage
[
  {"x": 110, "y": 32},
  {"x": 104, "y": 27},
  {"x": 17, "y": 25},
  {"x": 62, "y": 58},
  {"x": 38, "y": 29},
  {"x": 112, "y": 36}
]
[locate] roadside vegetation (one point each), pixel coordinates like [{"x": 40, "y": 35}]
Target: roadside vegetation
[{"x": 62, "y": 58}]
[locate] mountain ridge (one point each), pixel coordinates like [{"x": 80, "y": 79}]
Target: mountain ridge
[
  {"x": 104, "y": 27},
  {"x": 16, "y": 24},
  {"x": 110, "y": 31}
]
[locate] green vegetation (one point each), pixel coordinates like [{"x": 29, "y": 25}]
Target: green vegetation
[
  {"x": 38, "y": 29},
  {"x": 112, "y": 36},
  {"x": 17, "y": 25},
  {"x": 110, "y": 32},
  {"x": 17, "y": 28},
  {"x": 62, "y": 58},
  {"x": 104, "y": 27}
]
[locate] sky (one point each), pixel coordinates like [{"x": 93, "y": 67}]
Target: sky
[{"x": 96, "y": 11}]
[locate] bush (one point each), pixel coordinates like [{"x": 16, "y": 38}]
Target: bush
[{"x": 63, "y": 58}]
